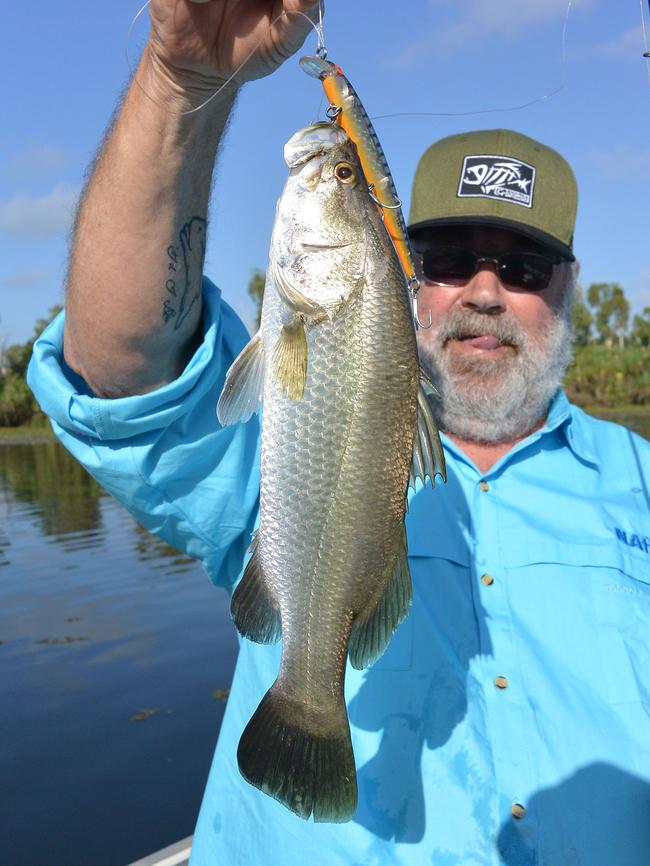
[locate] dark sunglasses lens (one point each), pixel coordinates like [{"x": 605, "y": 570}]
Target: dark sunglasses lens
[
  {"x": 527, "y": 271},
  {"x": 449, "y": 265}
]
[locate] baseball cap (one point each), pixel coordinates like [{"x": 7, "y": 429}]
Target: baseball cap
[{"x": 497, "y": 177}]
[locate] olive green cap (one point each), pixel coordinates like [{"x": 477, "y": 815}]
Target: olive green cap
[{"x": 497, "y": 177}]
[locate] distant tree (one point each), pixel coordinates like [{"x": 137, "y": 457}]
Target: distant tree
[
  {"x": 17, "y": 404},
  {"x": 255, "y": 289},
  {"x": 581, "y": 319},
  {"x": 611, "y": 311},
  {"x": 16, "y": 358},
  {"x": 41, "y": 324},
  {"x": 641, "y": 328}
]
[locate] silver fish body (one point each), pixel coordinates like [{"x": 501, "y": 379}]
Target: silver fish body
[{"x": 335, "y": 363}]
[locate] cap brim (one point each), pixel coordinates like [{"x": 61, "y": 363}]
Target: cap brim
[{"x": 512, "y": 225}]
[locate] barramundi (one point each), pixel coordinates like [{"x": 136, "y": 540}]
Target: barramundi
[{"x": 346, "y": 425}]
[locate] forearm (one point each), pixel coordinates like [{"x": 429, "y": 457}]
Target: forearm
[{"x": 133, "y": 302}]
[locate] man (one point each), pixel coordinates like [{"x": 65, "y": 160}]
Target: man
[{"x": 508, "y": 721}]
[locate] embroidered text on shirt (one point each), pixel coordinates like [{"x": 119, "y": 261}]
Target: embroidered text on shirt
[{"x": 642, "y": 542}]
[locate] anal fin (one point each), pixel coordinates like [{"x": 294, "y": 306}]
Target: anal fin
[
  {"x": 252, "y": 607},
  {"x": 373, "y": 628}
]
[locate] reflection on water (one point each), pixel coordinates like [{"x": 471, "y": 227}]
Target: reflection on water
[
  {"x": 99, "y": 623},
  {"x": 160, "y": 555},
  {"x": 45, "y": 477}
]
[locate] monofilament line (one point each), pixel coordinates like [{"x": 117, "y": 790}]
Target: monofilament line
[
  {"x": 646, "y": 52},
  {"x": 321, "y": 50},
  {"x": 519, "y": 107}
]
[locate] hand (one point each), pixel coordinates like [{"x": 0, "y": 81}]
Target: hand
[{"x": 202, "y": 42}]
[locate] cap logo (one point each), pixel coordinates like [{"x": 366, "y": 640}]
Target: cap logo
[{"x": 501, "y": 177}]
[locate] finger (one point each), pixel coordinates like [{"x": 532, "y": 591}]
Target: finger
[{"x": 306, "y": 7}]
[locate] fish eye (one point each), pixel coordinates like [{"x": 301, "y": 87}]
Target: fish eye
[{"x": 345, "y": 172}]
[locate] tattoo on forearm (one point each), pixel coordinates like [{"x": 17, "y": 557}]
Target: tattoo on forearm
[{"x": 183, "y": 285}]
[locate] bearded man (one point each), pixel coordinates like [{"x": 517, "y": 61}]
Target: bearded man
[{"x": 508, "y": 722}]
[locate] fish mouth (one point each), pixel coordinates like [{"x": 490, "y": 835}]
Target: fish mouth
[{"x": 308, "y": 246}]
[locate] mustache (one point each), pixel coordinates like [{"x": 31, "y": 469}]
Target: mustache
[{"x": 465, "y": 324}]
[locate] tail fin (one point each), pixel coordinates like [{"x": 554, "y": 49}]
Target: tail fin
[{"x": 283, "y": 752}]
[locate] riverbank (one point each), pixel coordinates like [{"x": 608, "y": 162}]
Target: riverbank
[
  {"x": 28, "y": 434},
  {"x": 636, "y": 418}
]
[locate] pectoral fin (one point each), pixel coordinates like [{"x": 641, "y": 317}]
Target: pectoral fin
[
  {"x": 244, "y": 386},
  {"x": 290, "y": 358},
  {"x": 428, "y": 454}
]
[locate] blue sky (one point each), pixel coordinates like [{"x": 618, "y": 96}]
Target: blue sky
[{"x": 64, "y": 68}]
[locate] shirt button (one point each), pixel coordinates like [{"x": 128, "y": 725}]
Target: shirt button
[
  {"x": 501, "y": 682},
  {"x": 517, "y": 811},
  {"x": 487, "y": 579},
  {"x": 484, "y": 486}
]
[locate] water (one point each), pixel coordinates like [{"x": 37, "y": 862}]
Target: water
[{"x": 111, "y": 647}]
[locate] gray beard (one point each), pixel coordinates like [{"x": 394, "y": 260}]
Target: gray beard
[{"x": 503, "y": 399}]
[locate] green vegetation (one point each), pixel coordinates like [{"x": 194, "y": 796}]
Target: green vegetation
[
  {"x": 609, "y": 377},
  {"x": 611, "y": 367},
  {"x": 255, "y": 289},
  {"x": 17, "y": 403}
]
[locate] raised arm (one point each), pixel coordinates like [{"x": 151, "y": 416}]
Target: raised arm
[{"x": 133, "y": 297}]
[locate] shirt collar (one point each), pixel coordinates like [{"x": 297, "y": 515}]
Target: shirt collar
[
  {"x": 572, "y": 421},
  {"x": 564, "y": 417}
]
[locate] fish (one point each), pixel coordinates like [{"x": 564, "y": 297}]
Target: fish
[{"x": 346, "y": 426}]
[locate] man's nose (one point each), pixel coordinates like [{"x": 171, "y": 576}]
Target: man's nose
[{"x": 485, "y": 292}]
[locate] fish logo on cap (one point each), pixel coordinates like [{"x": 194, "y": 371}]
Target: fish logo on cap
[{"x": 497, "y": 177}]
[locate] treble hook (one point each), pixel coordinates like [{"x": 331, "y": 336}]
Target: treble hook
[
  {"x": 414, "y": 287},
  {"x": 382, "y": 204}
]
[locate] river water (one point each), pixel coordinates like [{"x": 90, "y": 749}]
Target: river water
[{"x": 115, "y": 654}]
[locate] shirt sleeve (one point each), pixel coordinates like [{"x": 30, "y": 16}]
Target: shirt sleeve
[{"x": 163, "y": 455}]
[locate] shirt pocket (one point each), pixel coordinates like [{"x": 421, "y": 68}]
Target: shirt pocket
[
  {"x": 611, "y": 594},
  {"x": 621, "y": 603}
]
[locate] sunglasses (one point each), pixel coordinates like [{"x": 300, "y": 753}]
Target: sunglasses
[{"x": 448, "y": 265}]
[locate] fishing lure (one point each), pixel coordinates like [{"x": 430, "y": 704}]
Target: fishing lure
[{"x": 346, "y": 109}]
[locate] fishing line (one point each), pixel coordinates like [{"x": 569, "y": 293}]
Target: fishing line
[
  {"x": 321, "y": 50},
  {"x": 520, "y": 107},
  {"x": 646, "y": 53}
]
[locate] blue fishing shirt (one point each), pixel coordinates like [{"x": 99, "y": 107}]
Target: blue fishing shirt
[{"x": 508, "y": 722}]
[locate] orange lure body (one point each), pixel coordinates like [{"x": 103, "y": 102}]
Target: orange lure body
[{"x": 347, "y": 110}]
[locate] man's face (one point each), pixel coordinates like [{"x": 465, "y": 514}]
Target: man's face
[{"x": 497, "y": 352}]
